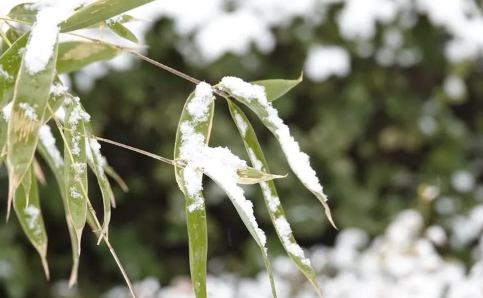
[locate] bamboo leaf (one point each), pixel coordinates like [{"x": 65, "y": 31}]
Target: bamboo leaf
[
  {"x": 96, "y": 163},
  {"x": 12, "y": 36},
  {"x": 122, "y": 31},
  {"x": 25, "y": 12},
  {"x": 254, "y": 176},
  {"x": 27, "y": 208},
  {"x": 9, "y": 65},
  {"x": 29, "y": 104},
  {"x": 270, "y": 195},
  {"x": 255, "y": 98},
  {"x": 75, "y": 160},
  {"x": 112, "y": 173},
  {"x": 52, "y": 156},
  {"x": 195, "y": 205},
  {"x": 277, "y": 88},
  {"x": 74, "y": 55},
  {"x": 97, "y": 12}
]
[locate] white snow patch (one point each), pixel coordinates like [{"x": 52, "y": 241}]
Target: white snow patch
[
  {"x": 60, "y": 114},
  {"x": 273, "y": 200},
  {"x": 33, "y": 214},
  {"x": 325, "y": 61},
  {"x": 80, "y": 168},
  {"x": 240, "y": 122},
  {"x": 285, "y": 232},
  {"x": 48, "y": 140},
  {"x": 29, "y": 111},
  {"x": 74, "y": 193},
  {"x": 96, "y": 149},
  {"x": 7, "y": 110},
  {"x": 58, "y": 89},
  {"x": 199, "y": 105}
]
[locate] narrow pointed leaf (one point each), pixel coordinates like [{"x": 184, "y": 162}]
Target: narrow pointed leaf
[
  {"x": 122, "y": 31},
  {"x": 270, "y": 195},
  {"x": 112, "y": 173},
  {"x": 30, "y": 217},
  {"x": 97, "y": 12},
  {"x": 253, "y": 176},
  {"x": 29, "y": 104},
  {"x": 96, "y": 163},
  {"x": 254, "y": 97},
  {"x": 195, "y": 206},
  {"x": 75, "y": 160},
  {"x": 74, "y": 55},
  {"x": 24, "y": 12},
  {"x": 52, "y": 156},
  {"x": 277, "y": 88},
  {"x": 12, "y": 36}
]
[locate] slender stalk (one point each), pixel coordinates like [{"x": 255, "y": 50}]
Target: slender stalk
[{"x": 4, "y": 37}]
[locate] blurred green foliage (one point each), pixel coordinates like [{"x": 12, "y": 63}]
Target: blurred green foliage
[{"x": 362, "y": 132}]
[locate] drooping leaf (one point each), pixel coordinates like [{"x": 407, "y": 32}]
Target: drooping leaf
[
  {"x": 73, "y": 55},
  {"x": 112, "y": 173},
  {"x": 122, "y": 31},
  {"x": 97, "y": 12},
  {"x": 29, "y": 104},
  {"x": 97, "y": 163},
  {"x": 24, "y": 12},
  {"x": 75, "y": 160},
  {"x": 270, "y": 195},
  {"x": 30, "y": 217},
  {"x": 254, "y": 97},
  {"x": 195, "y": 206},
  {"x": 277, "y": 88}
]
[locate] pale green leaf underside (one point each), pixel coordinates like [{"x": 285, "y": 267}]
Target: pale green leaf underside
[
  {"x": 122, "y": 31},
  {"x": 276, "y": 88},
  {"x": 74, "y": 55}
]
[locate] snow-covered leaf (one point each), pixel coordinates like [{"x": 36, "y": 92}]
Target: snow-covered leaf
[
  {"x": 122, "y": 31},
  {"x": 29, "y": 104},
  {"x": 24, "y": 12},
  {"x": 97, "y": 162},
  {"x": 73, "y": 55},
  {"x": 27, "y": 208},
  {"x": 272, "y": 201},
  {"x": 255, "y": 98},
  {"x": 277, "y": 88},
  {"x": 97, "y": 12},
  {"x": 195, "y": 205},
  {"x": 75, "y": 160}
]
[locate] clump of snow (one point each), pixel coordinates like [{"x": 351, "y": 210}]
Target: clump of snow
[
  {"x": 28, "y": 111},
  {"x": 74, "y": 193},
  {"x": 242, "y": 125},
  {"x": 7, "y": 110},
  {"x": 96, "y": 149},
  {"x": 78, "y": 114},
  {"x": 58, "y": 89},
  {"x": 299, "y": 161},
  {"x": 199, "y": 105},
  {"x": 48, "y": 140},
  {"x": 60, "y": 114},
  {"x": 283, "y": 228},
  {"x": 80, "y": 168},
  {"x": 325, "y": 61},
  {"x": 33, "y": 214}
]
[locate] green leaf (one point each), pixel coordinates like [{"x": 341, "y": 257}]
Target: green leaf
[
  {"x": 25, "y": 12},
  {"x": 112, "y": 173},
  {"x": 75, "y": 160},
  {"x": 12, "y": 36},
  {"x": 195, "y": 206},
  {"x": 270, "y": 195},
  {"x": 277, "y": 88},
  {"x": 29, "y": 104},
  {"x": 122, "y": 31},
  {"x": 97, "y": 12},
  {"x": 253, "y": 176},
  {"x": 9, "y": 65},
  {"x": 74, "y": 55},
  {"x": 27, "y": 208},
  {"x": 254, "y": 97},
  {"x": 96, "y": 163}
]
